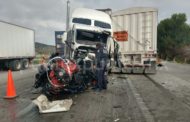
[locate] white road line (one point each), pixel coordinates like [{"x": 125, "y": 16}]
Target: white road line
[{"x": 141, "y": 104}]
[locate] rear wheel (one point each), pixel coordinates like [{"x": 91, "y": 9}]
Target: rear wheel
[
  {"x": 15, "y": 65},
  {"x": 25, "y": 63}
]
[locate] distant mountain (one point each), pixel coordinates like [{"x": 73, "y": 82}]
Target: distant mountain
[{"x": 44, "y": 49}]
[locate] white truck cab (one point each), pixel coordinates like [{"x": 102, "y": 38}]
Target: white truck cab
[
  {"x": 91, "y": 17},
  {"x": 87, "y": 27}
]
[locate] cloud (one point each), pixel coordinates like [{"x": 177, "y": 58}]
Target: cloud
[
  {"x": 47, "y": 16},
  {"x": 43, "y": 16}
]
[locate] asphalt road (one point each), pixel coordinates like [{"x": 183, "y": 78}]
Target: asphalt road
[
  {"x": 161, "y": 103},
  {"x": 115, "y": 104},
  {"x": 18, "y": 75},
  {"x": 180, "y": 70},
  {"x": 129, "y": 98},
  {"x": 23, "y": 81}
]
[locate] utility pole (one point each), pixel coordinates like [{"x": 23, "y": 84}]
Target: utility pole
[{"x": 68, "y": 15}]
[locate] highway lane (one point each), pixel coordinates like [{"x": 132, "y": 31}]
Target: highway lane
[
  {"x": 18, "y": 75},
  {"x": 179, "y": 70},
  {"x": 129, "y": 98},
  {"x": 161, "y": 103},
  {"x": 23, "y": 81},
  {"x": 116, "y": 103}
]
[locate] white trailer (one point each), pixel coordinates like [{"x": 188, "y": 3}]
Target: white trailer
[
  {"x": 139, "y": 48},
  {"x": 17, "y": 46}
]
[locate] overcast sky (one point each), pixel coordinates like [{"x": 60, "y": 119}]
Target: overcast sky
[{"x": 47, "y": 16}]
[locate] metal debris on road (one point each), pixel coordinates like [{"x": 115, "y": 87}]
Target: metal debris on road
[
  {"x": 46, "y": 106},
  {"x": 116, "y": 120}
]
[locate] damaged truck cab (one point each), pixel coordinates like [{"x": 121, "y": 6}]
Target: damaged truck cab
[
  {"x": 87, "y": 27},
  {"x": 130, "y": 37}
]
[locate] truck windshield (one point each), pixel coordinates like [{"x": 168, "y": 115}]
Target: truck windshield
[
  {"x": 82, "y": 21},
  {"x": 102, "y": 24},
  {"x": 91, "y": 37}
]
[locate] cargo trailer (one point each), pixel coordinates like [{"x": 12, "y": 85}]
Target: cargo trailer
[
  {"x": 17, "y": 46},
  {"x": 135, "y": 30}
]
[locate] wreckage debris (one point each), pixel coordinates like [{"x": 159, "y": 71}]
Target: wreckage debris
[{"x": 46, "y": 106}]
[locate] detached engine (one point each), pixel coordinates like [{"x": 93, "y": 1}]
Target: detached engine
[{"x": 65, "y": 75}]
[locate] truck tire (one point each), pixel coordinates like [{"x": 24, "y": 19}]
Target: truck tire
[
  {"x": 25, "y": 63},
  {"x": 16, "y": 65}
]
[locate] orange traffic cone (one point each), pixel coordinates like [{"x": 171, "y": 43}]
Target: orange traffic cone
[{"x": 11, "y": 93}]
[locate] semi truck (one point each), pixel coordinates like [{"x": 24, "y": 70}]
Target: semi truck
[
  {"x": 133, "y": 30},
  {"x": 17, "y": 46}
]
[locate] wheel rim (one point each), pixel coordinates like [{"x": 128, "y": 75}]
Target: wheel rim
[
  {"x": 18, "y": 66},
  {"x": 26, "y": 64}
]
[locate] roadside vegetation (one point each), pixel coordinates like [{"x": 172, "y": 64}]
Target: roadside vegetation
[
  {"x": 174, "y": 39},
  {"x": 43, "y": 51}
]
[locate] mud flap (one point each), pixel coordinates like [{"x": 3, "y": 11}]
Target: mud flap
[{"x": 46, "y": 106}]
